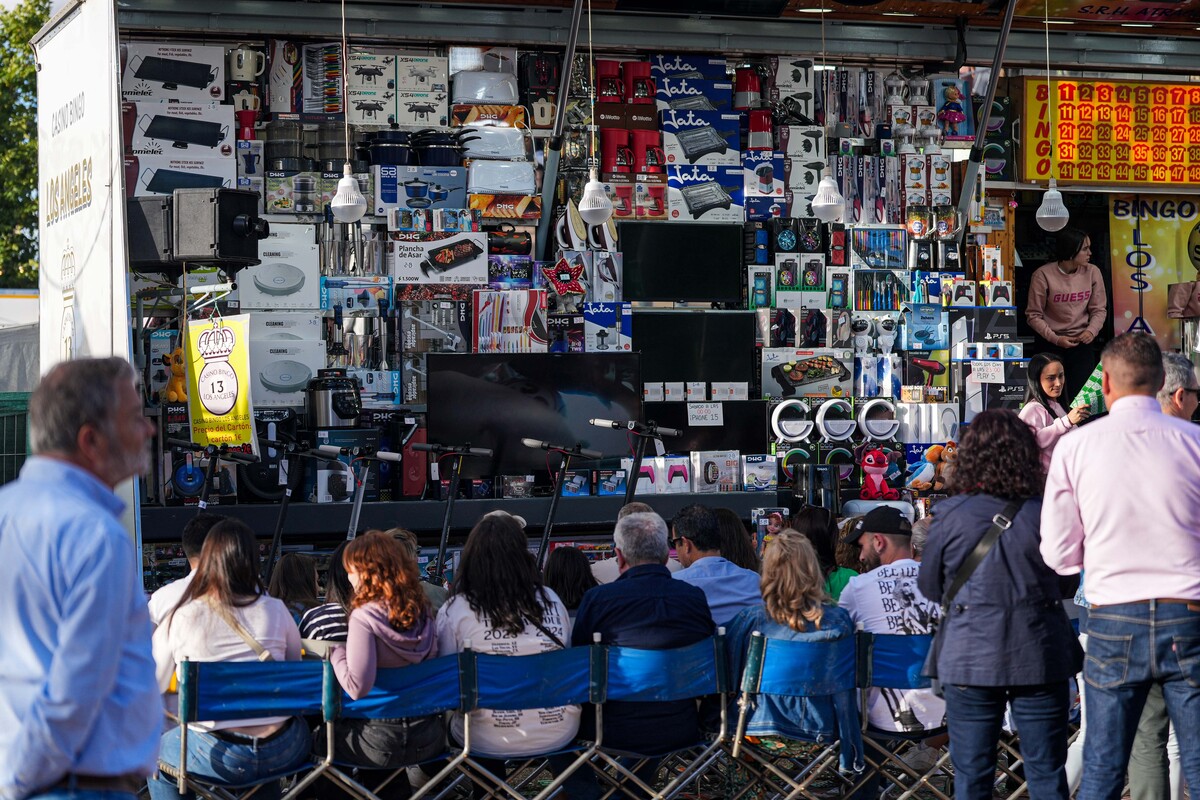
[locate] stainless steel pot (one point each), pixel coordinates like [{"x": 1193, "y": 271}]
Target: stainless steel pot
[{"x": 332, "y": 400}]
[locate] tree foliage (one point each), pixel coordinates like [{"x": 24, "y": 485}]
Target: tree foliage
[{"x": 18, "y": 143}]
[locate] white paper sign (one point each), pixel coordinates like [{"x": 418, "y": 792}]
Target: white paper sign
[
  {"x": 988, "y": 371},
  {"x": 706, "y": 414}
]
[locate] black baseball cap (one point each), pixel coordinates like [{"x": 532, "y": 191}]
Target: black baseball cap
[{"x": 883, "y": 519}]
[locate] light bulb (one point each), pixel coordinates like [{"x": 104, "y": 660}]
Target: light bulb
[
  {"x": 595, "y": 206},
  {"x": 828, "y": 203},
  {"x": 348, "y": 205},
  {"x": 1052, "y": 215}
]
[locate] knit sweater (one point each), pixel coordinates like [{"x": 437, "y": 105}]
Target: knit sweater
[{"x": 1062, "y": 305}]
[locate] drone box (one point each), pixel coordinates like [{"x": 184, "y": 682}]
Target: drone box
[
  {"x": 607, "y": 327},
  {"x": 280, "y": 370},
  {"x": 289, "y": 278},
  {"x": 422, "y": 73},
  {"x": 759, "y": 473},
  {"x": 716, "y": 471},
  {"x": 422, "y": 108}
]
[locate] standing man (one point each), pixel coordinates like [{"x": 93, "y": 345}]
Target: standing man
[
  {"x": 79, "y": 708},
  {"x": 1123, "y": 502},
  {"x": 696, "y": 537}
]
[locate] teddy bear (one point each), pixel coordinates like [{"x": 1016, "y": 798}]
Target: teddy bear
[{"x": 176, "y": 391}]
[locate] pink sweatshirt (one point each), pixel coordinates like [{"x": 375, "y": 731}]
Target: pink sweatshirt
[
  {"x": 1046, "y": 428},
  {"x": 1066, "y": 305}
]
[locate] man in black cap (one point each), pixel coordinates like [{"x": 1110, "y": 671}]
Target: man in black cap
[{"x": 886, "y": 600}]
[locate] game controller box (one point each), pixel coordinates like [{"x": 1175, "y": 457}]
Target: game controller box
[
  {"x": 648, "y": 478},
  {"x": 578, "y": 483},
  {"x": 676, "y": 474},
  {"x": 716, "y": 471}
]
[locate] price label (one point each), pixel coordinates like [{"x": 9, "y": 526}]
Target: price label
[
  {"x": 988, "y": 371},
  {"x": 706, "y": 414}
]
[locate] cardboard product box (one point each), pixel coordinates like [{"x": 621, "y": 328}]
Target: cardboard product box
[
  {"x": 516, "y": 486},
  {"x": 610, "y": 482},
  {"x": 250, "y": 163},
  {"x": 648, "y": 477},
  {"x": 442, "y": 258},
  {"x": 416, "y": 383},
  {"x": 721, "y": 149},
  {"x": 422, "y": 107},
  {"x": 287, "y": 325},
  {"x": 289, "y": 278},
  {"x": 927, "y": 422},
  {"x": 620, "y": 189},
  {"x": 510, "y": 272},
  {"x": 816, "y": 372},
  {"x": 292, "y": 192},
  {"x": 914, "y": 171},
  {"x": 687, "y": 201},
  {"x": 730, "y": 390},
  {"x": 676, "y": 474},
  {"x": 410, "y": 187},
  {"x": 458, "y": 220},
  {"x": 665, "y": 65},
  {"x": 509, "y": 321},
  {"x": 150, "y": 176},
  {"x": 762, "y": 174},
  {"x": 608, "y": 267},
  {"x": 371, "y": 68},
  {"x": 1009, "y": 393},
  {"x": 162, "y": 71},
  {"x": 566, "y": 333},
  {"x": 259, "y": 187},
  {"x": 327, "y": 184},
  {"x": 359, "y": 296},
  {"x": 759, "y": 473},
  {"x": 198, "y": 130},
  {"x": 435, "y": 326},
  {"x": 380, "y": 389},
  {"x": 692, "y": 93},
  {"x": 926, "y": 327},
  {"x": 288, "y": 233},
  {"x": 802, "y": 143},
  {"x": 650, "y": 196},
  {"x": 578, "y": 483},
  {"x": 284, "y": 77},
  {"x": 716, "y": 471},
  {"x": 161, "y": 344},
  {"x": 565, "y": 280},
  {"x": 394, "y": 425},
  {"x": 608, "y": 327},
  {"x": 331, "y": 483},
  {"x": 997, "y": 324},
  {"x": 280, "y": 370},
  {"x": 416, "y": 72},
  {"x": 641, "y": 117}
]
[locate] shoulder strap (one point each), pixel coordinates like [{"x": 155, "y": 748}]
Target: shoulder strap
[
  {"x": 223, "y": 612},
  {"x": 1000, "y": 523}
]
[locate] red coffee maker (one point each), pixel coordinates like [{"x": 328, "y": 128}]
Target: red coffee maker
[
  {"x": 639, "y": 86},
  {"x": 747, "y": 89},
  {"x": 609, "y": 88},
  {"x": 648, "y": 155},
  {"x": 615, "y": 154}
]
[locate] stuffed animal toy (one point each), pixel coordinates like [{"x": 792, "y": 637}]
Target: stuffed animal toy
[
  {"x": 176, "y": 391},
  {"x": 932, "y": 474},
  {"x": 874, "y": 465}
]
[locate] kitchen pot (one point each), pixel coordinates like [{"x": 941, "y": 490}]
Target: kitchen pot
[{"x": 332, "y": 400}]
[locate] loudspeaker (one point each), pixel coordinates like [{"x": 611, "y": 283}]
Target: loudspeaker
[
  {"x": 260, "y": 481},
  {"x": 218, "y": 226},
  {"x": 151, "y": 238}
]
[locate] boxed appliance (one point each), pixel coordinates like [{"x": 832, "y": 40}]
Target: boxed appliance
[
  {"x": 760, "y": 473},
  {"x": 286, "y": 325},
  {"x": 335, "y": 483},
  {"x": 381, "y": 389},
  {"x": 289, "y": 277},
  {"x": 705, "y": 194},
  {"x": 280, "y": 370},
  {"x": 292, "y": 191},
  {"x": 707, "y": 138},
  {"x": 418, "y": 187},
  {"x": 684, "y": 94},
  {"x": 762, "y": 173},
  {"x": 509, "y": 321},
  {"x": 422, "y": 73},
  {"x": 146, "y": 176},
  {"x": 201, "y": 130},
  {"x": 358, "y": 295},
  {"x": 442, "y": 258},
  {"x": 818, "y": 372},
  {"x": 172, "y": 71},
  {"x": 607, "y": 327},
  {"x": 665, "y": 65},
  {"x": 435, "y": 326}
]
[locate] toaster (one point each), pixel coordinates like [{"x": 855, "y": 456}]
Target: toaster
[
  {"x": 498, "y": 88},
  {"x": 495, "y": 142},
  {"x": 501, "y": 177}
]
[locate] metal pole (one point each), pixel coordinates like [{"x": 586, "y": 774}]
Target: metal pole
[
  {"x": 554, "y": 498},
  {"x": 439, "y": 566}
]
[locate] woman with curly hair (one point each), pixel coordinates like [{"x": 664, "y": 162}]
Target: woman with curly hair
[
  {"x": 391, "y": 625},
  {"x": 794, "y": 607},
  {"x": 1007, "y": 639}
]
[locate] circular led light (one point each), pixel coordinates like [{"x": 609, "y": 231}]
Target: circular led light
[
  {"x": 878, "y": 430},
  {"x": 791, "y": 430},
  {"x": 836, "y": 429}
]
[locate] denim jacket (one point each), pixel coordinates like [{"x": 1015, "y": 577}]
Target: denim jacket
[{"x": 814, "y": 719}]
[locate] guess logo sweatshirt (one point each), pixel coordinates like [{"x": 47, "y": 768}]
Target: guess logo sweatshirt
[{"x": 1062, "y": 305}]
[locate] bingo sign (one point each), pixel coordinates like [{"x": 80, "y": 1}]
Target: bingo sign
[{"x": 1112, "y": 132}]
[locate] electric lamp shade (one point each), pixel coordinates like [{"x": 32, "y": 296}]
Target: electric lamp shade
[
  {"x": 595, "y": 206},
  {"x": 1052, "y": 215},
  {"x": 828, "y": 203},
  {"x": 348, "y": 205}
]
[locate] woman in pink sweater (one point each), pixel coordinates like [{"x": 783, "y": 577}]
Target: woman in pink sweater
[
  {"x": 1042, "y": 410},
  {"x": 1067, "y": 306}
]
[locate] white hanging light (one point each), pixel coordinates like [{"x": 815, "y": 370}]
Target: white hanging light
[
  {"x": 828, "y": 204},
  {"x": 348, "y": 205},
  {"x": 595, "y": 206},
  {"x": 1052, "y": 215}
]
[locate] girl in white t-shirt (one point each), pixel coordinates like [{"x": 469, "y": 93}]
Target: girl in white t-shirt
[{"x": 498, "y": 604}]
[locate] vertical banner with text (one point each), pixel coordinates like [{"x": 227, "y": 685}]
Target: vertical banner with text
[
  {"x": 218, "y": 353},
  {"x": 1152, "y": 238}
]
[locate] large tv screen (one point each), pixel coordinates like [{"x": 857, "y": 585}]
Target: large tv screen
[
  {"x": 744, "y": 429},
  {"x": 495, "y": 401},
  {"x": 675, "y": 262},
  {"x": 694, "y": 345}
]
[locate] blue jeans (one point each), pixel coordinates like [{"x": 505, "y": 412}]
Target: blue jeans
[
  {"x": 1130, "y": 647},
  {"x": 974, "y": 716},
  {"x": 213, "y": 759}
]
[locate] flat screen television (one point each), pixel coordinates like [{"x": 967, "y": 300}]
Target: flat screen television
[
  {"x": 496, "y": 400},
  {"x": 696, "y": 345},
  {"x": 676, "y": 262},
  {"x": 745, "y": 426}
]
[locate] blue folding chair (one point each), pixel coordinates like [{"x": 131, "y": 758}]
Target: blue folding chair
[
  {"x": 225, "y": 690},
  {"x": 892, "y": 663},
  {"x": 571, "y": 676},
  {"x": 822, "y": 674},
  {"x": 420, "y": 690},
  {"x": 684, "y": 673}
]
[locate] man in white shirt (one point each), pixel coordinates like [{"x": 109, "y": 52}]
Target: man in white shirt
[{"x": 164, "y": 599}]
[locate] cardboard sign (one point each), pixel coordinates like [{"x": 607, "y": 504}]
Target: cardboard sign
[{"x": 706, "y": 414}]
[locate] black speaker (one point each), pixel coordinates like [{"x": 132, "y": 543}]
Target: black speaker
[
  {"x": 259, "y": 482},
  {"x": 151, "y": 238},
  {"x": 218, "y": 226}
]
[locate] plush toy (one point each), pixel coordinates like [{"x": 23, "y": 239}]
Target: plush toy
[
  {"x": 874, "y": 465},
  {"x": 933, "y": 473},
  {"x": 176, "y": 391},
  {"x": 952, "y": 114}
]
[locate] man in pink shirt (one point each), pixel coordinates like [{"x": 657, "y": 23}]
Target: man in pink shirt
[{"x": 1123, "y": 502}]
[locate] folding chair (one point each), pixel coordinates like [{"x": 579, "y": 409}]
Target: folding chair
[
  {"x": 823, "y": 674},
  {"x": 693, "y": 672},
  {"x": 893, "y": 663},
  {"x": 420, "y": 690},
  {"x": 224, "y": 690},
  {"x": 571, "y": 676}
]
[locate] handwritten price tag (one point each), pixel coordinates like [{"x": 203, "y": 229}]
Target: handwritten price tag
[
  {"x": 706, "y": 414},
  {"x": 988, "y": 371}
]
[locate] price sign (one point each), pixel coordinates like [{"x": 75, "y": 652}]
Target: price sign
[
  {"x": 988, "y": 371},
  {"x": 706, "y": 414}
]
